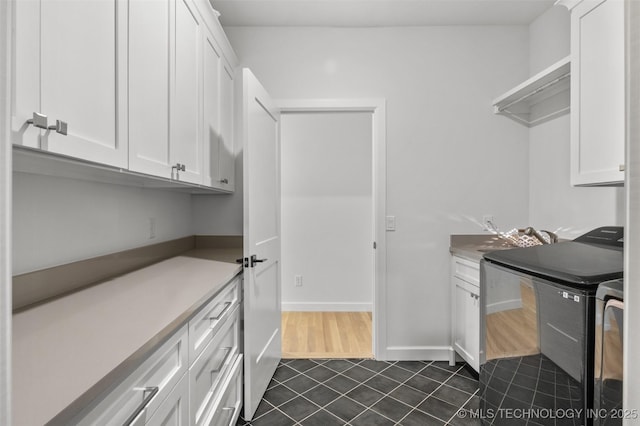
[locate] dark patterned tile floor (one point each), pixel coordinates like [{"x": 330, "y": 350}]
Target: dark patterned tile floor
[{"x": 365, "y": 392}]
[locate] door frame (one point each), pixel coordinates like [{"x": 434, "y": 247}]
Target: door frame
[{"x": 377, "y": 107}]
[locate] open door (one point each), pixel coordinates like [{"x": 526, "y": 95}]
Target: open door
[{"x": 262, "y": 313}]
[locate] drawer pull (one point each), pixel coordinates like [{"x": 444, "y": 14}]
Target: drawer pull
[
  {"x": 224, "y": 360},
  {"x": 227, "y": 305},
  {"x": 148, "y": 394}
]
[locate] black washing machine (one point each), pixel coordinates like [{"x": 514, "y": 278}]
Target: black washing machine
[{"x": 537, "y": 340}]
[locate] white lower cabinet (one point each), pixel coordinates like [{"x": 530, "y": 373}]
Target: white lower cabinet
[
  {"x": 209, "y": 371},
  {"x": 226, "y": 407},
  {"x": 465, "y": 287},
  {"x": 206, "y": 324},
  {"x": 170, "y": 388}
]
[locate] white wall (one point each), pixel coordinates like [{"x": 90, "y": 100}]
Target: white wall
[
  {"x": 449, "y": 158},
  {"x": 220, "y": 214},
  {"x": 59, "y": 220},
  {"x": 554, "y": 204},
  {"x": 327, "y": 211}
]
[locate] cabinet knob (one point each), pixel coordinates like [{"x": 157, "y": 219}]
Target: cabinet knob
[{"x": 225, "y": 180}]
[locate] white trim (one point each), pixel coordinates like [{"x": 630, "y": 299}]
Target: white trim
[
  {"x": 631, "y": 319},
  {"x": 326, "y": 307},
  {"x": 418, "y": 353},
  {"x": 377, "y": 106},
  {"x": 5, "y": 212}
]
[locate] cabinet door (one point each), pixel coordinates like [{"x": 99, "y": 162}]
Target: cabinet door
[
  {"x": 466, "y": 325},
  {"x": 149, "y": 86},
  {"x": 472, "y": 325},
  {"x": 597, "y": 92},
  {"x": 25, "y": 96},
  {"x": 227, "y": 149},
  {"x": 212, "y": 61},
  {"x": 83, "y": 78},
  {"x": 186, "y": 141}
]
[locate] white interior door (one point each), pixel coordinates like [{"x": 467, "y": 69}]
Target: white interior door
[{"x": 262, "y": 312}]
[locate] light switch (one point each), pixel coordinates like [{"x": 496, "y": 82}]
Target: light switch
[{"x": 391, "y": 223}]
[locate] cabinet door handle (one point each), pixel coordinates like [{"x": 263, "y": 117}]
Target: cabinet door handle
[
  {"x": 621, "y": 167},
  {"x": 178, "y": 168},
  {"x": 225, "y": 180},
  {"x": 227, "y": 305},
  {"x": 224, "y": 360},
  {"x": 59, "y": 127},
  {"x": 39, "y": 120},
  {"x": 148, "y": 393}
]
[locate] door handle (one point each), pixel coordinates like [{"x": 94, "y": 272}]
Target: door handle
[{"x": 254, "y": 260}]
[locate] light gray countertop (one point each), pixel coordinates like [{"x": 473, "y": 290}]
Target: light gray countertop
[
  {"x": 474, "y": 246},
  {"x": 74, "y": 347}
]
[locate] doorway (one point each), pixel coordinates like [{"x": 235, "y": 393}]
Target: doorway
[{"x": 331, "y": 241}]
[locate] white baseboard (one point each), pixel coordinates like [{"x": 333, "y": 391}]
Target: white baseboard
[
  {"x": 326, "y": 307},
  {"x": 417, "y": 353}
]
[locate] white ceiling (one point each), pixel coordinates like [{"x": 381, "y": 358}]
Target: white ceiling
[{"x": 378, "y": 13}]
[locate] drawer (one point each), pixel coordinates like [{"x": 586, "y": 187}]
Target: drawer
[
  {"x": 141, "y": 393},
  {"x": 226, "y": 408},
  {"x": 208, "y": 372},
  {"x": 466, "y": 270},
  {"x": 175, "y": 409},
  {"x": 204, "y": 325}
]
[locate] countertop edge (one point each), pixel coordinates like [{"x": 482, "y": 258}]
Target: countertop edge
[{"x": 473, "y": 246}]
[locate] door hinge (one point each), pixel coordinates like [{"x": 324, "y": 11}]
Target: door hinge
[{"x": 375, "y": 246}]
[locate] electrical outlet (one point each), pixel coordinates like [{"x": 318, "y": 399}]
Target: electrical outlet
[
  {"x": 487, "y": 222},
  {"x": 152, "y": 228},
  {"x": 298, "y": 279}
]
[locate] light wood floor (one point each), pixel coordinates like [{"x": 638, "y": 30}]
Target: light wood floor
[{"x": 326, "y": 335}]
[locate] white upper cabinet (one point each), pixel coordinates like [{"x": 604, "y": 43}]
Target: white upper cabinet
[
  {"x": 186, "y": 141},
  {"x": 227, "y": 147},
  {"x": 143, "y": 85},
  {"x": 68, "y": 67},
  {"x": 149, "y": 87},
  {"x": 212, "y": 65},
  {"x": 218, "y": 121},
  {"x": 597, "y": 93}
]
